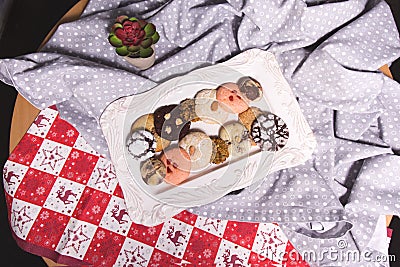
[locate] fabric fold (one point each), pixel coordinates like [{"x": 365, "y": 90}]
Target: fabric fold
[{"x": 329, "y": 52}]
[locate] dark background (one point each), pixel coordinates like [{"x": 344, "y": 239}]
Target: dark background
[{"x": 23, "y": 26}]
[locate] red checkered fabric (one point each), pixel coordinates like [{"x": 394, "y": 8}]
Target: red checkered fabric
[{"x": 64, "y": 203}]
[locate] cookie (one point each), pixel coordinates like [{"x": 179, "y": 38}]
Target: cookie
[
  {"x": 153, "y": 171},
  {"x": 250, "y": 88},
  {"x": 199, "y": 147},
  {"x": 169, "y": 123},
  {"x": 220, "y": 150},
  {"x": 228, "y": 94},
  {"x": 177, "y": 163},
  {"x": 187, "y": 110},
  {"x": 237, "y": 137},
  {"x": 269, "y": 131},
  {"x": 147, "y": 122},
  {"x": 208, "y": 109},
  {"x": 141, "y": 144},
  {"x": 248, "y": 116}
]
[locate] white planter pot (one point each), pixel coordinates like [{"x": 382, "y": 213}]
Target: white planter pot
[{"x": 142, "y": 63}]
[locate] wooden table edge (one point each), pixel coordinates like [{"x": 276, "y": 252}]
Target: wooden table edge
[{"x": 24, "y": 112}]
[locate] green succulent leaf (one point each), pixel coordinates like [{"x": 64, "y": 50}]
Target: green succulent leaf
[
  {"x": 146, "y": 52},
  {"x": 114, "y": 40},
  {"x": 133, "y": 19},
  {"x": 146, "y": 42},
  {"x": 133, "y": 48},
  {"x": 149, "y": 29},
  {"x": 116, "y": 26},
  {"x": 155, "y": 37},
  {"x": 122, "y": 51}
]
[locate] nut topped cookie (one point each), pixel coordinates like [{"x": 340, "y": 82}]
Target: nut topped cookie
[
  {"x": 220, "y": 150},
  {"x": 187, "y": 109}
]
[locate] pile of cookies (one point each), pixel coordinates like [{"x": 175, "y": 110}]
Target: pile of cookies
[{"x": 170, "y": 147}]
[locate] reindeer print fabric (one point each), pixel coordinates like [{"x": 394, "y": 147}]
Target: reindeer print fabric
[
  {"x": 73, "y": 210},
  {"x": 329, "y": 52}
]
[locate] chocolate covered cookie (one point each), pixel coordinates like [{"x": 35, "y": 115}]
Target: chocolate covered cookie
[{"x": 170, "y": 123}]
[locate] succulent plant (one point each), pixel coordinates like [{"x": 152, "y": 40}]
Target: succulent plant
[{"x": 133, "y": 37}]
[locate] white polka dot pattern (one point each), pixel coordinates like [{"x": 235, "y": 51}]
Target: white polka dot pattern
[{"x": 329, "y": 51}]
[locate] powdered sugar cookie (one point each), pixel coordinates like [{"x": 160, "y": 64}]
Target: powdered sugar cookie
[
  {"x": 199, "y": 146},
  {"x": 237, "y": 137},
  {"x": 207, "y": 107}
]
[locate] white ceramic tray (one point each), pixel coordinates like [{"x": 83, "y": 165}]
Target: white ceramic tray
[{"x": 151, "y": 205}]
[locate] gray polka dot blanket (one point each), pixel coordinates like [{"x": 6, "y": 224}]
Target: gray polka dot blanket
[{"x": 329, "y": 52}]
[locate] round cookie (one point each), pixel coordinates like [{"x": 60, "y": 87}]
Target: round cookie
[
  {"x": 199, "y": 146},
  {"x": 237, "y": 137},
  {"x": 228, "y": 94},
  {"x": 208, "y": 109},
  {"x": 141, "y": 145},
  {"x": 220, "y": 150},
  {"x": 248, "y": 116},
  {"x": 177, "y": 164},
  {"x": 187, "y": 109},
  {"x": 169, "y": 122},
  {"x": 147, "y": 122},
  {"x": 269, "y": 131},
  {"x": 153, "y": 171},
  {"x": 250, "y": 88}
]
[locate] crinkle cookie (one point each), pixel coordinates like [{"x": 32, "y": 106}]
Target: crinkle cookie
[
  {"x": 229, "y": 95},
  {"x": 147, "y": 122},
  {"x": 237, "y": 137},
  {"x": 199, "y": 146},
  {"x": 153, "y": 171},
  {"x": 169, "y": 122},
  {"x": 207, "y": 107},
  {"x": 269, "y": 131},
  {"x": 250, "y": 88},
  {"x": 220, "y": 150},
  {"x": 141, "y": 145}
]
